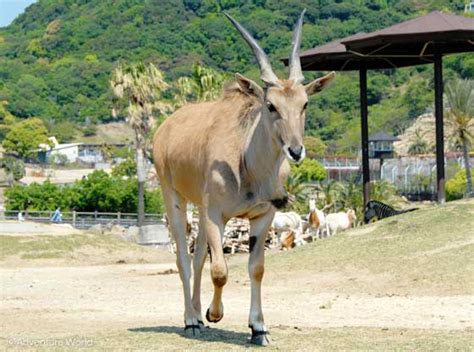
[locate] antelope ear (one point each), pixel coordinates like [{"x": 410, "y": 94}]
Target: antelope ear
[
  {"x": 319, "y": 84},
  {"x": 249, "y": 87}
]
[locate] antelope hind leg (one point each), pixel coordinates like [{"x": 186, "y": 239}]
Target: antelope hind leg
[{"x": 176, "y": 211}]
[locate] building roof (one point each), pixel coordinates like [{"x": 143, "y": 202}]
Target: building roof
[
  {"x": 409, "y": 43},
  {"x": 421, "y": 36},
  {"x": 382, "y": 137}
]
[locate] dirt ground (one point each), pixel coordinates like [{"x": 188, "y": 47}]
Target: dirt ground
[
  {"x": 389, "y": 286},
  {"x": 110, "y": 303}
]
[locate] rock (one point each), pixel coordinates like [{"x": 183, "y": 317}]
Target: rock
[
  {"x": 132, "y": 234},
  {"x": 96, "y": 229},
  {"x": 157, "y": 235},
  {"x": 117, "y": 229}
]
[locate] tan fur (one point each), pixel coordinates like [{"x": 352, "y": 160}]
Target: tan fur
[
  {"x": 199, "y": 150},
  {"x": 314, "y": 220},
  {"x": 229, "y": 158},
  {"x": 288, "y": 240}
]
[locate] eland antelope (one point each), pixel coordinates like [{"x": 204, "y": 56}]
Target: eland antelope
[{"x": 230, "y": 158}]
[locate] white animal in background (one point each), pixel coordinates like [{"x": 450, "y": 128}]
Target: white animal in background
[
  {"x": 341, "y": 220},
  {"x": 317, "y": 221},
  {"x": 288, "y": 222}
]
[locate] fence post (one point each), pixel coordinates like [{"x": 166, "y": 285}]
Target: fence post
[
  {"x": 73, "y": 218},
  {"x": 95, "y": 215},
  {"x": 118, "y": 218}
]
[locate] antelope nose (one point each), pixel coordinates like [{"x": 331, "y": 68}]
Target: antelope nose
[{"x": 296, "y": 152}]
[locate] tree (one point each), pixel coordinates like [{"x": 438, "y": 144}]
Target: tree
[
  {"x": 315, "y": 147},
  {"x": 142, "y": 85},
  {"x": 418, "y": 144},
  {"x": 460, "y": 116},
  {"x": 14, "y": 166},
  {"x": 205, "y": 84},
  {"x": 25, "y": 136},
  {"x": 309, "y": 171}
]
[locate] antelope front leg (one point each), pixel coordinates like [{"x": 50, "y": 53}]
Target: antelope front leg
[
  {"x": 200, "y": 254},
  {"x": 258, "y": 233},
  {"x": 214, "y": 230}
]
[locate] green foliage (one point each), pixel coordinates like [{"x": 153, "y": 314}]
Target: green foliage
[
  {"x": 57, "y": 58},
  {"x": 89, "y": 131},
  {"x": 127, "y": 168},
  {"x": 309, "y": 171},
  {"x": 98, "y": 191},
  {"x": 456, "y": 187},
  {"x": 204, "y": 84},
  {"x": 64, "y": 131},
  {"x": 14, "y": 166},
  {"x": 315, "y": 147},
  {"x": 25, "y": 136}
]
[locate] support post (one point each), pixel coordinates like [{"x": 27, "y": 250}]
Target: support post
[
  {"x": 438, "y": 81},
  {"x": 364, "y": 134}
]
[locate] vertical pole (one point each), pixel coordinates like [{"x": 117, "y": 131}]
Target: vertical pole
[
  {"x": 438, "y": 80},
  {"x": 73, "y": 218},
  {"x": 364, "y": 134}
]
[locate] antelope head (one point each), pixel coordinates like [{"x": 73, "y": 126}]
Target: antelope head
[{"x": 283, "y": 101}]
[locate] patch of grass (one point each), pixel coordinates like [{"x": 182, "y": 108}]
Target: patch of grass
[
  {"x": 80, "y": 248},
  {"x": 429, "y": 249},
  {"x": 33, "y": 246}
]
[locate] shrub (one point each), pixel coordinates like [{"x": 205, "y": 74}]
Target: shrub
[
  {"x": 14, "y": 166},
  {"x": 309, "y": 171},
  {"x": 456, "y": 187},
  {"x": 97, "y": 192},
  {"x": 89, "y": 131},
  {"x": 127, "y": 168}
]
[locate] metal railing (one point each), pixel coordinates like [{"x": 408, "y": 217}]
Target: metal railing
[{"x": 82, "y": 220}]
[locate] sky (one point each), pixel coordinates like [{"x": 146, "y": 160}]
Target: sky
[{"x": 10, "y": 9}]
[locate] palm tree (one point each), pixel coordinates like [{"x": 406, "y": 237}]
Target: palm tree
[
  {"x": 419, "y": 144},
  {"x": 460, "y": 117},
  {"x": 205, "y": 84},
  {"x": 141, "y": 85}
]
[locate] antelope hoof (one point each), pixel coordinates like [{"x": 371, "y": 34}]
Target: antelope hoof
[
  {"x": 260, "y": 338},
  {"x": 192, "y": 330},
  {"x": 211, "y": 318},
  {"x": 202, "y": 326}
]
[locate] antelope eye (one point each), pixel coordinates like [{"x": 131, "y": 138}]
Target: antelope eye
[{"x": 270, "y": 107}]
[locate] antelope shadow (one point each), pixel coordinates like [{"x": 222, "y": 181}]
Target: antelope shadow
[{"x": 209, "y": 335}]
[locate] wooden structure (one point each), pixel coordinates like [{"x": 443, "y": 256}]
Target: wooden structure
[{"x": 423, "y": 40}]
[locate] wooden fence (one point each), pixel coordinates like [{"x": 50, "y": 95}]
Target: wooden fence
[{"x": 83, "y": 220}]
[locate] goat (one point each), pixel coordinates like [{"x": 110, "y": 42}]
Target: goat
[{"x": 341, "y": 221}]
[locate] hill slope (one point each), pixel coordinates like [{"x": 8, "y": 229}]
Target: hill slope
[
  {"x": 427, "y": 252},
  {"x": 57, "y": 57}
]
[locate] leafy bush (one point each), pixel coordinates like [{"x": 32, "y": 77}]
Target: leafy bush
[
  {"x": 309, "y": 171},
  {"x": 97, "y": 192},
  {"x": 14, "y": 166},
  {"x": 127, "y": 168},
  {"x": 456, "y": 187},
  {"x": 25, "y": 136},
  {"x": 315, "y": 147},
  {"x": 89, "y": 131}
]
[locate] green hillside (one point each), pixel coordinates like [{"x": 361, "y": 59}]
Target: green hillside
[{"x": 57, "y": 57}]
